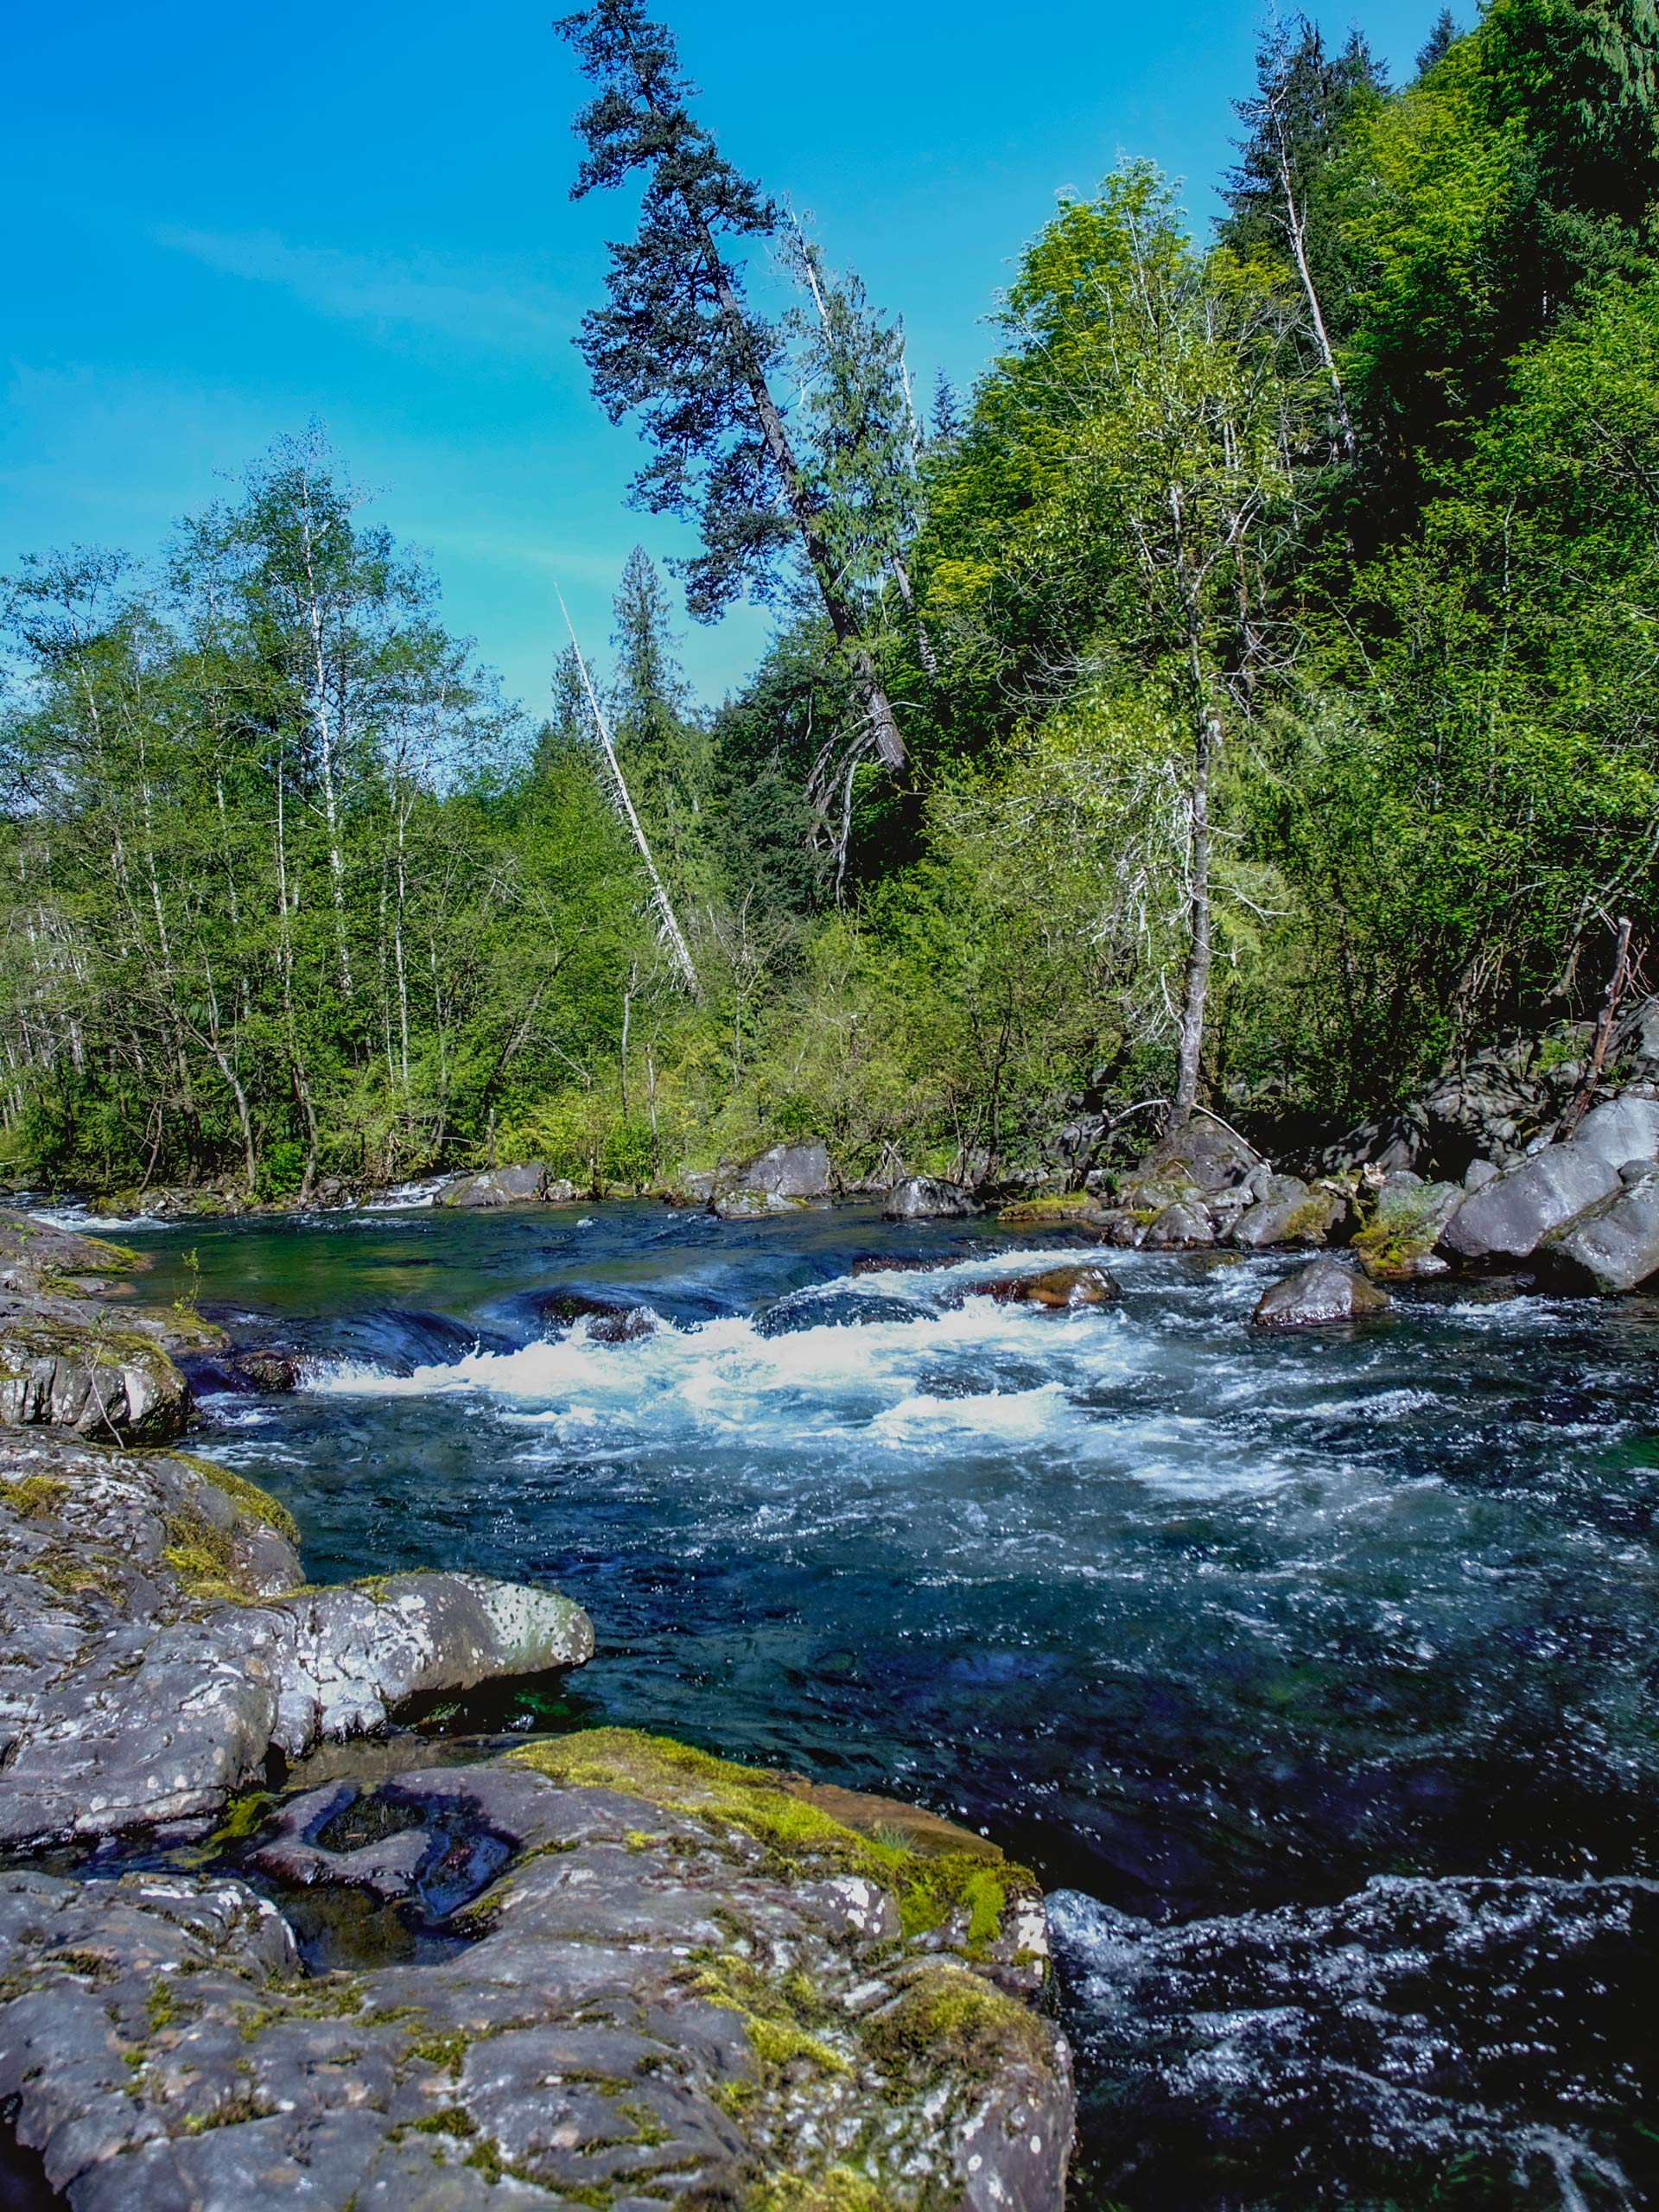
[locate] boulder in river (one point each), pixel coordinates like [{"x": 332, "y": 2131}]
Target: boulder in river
[
  {"x": 1613, "y": 1245},
  {"x": 926, "y": 1198},
  {"x": 686, "y": 1984},
  {"x": 1060, "y": 1289},
  {"x": 1183, "y": 1225},
  {"x": 1321, "y": 1296},
  {"x": 524, "y": 1185}
]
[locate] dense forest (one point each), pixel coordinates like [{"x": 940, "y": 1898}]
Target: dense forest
[{"x": 1245, "y": 697}]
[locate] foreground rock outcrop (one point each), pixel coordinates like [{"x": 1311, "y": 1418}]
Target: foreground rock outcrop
[
  {"x": 163, "y": 1643},
  {"x": 684, "y": 1985},
  {"x": 652, "y": 1977}
]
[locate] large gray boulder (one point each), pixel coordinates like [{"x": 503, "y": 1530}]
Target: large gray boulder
[
  {"x": 1614, "y": 1245},
  {"x": 926, "y": 1198},
  {"x": 1323, "y": 1296},
  {"x": 37, "y": 1255},
  {"x": 782, "y": 1180},
  {"x": 685, "y": 1988},
  {"x": 524, "y": 1185},
  {"x": 1287, "y": 1212},
  {"x": 1509, "y": 1217},
  {"x": 1203, "y": 1156},
  {"x": 165, "y": 1643}
]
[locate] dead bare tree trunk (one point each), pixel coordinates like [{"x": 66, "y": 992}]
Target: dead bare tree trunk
[
  {"x": 1587, "y": 1091},
  {"x": 1206, "y": 745}
]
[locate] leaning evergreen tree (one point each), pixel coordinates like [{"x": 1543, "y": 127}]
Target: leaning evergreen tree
[{"x": 679, "y": 343}]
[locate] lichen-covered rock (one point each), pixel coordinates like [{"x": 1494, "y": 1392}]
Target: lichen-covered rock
[
  {"x": 163, "y": 1646},
  {"x": 1614, "y": 1245},
  {"x": 523, "y": 1184},
  {"x": 1060, "y": 1289},
  {"x": 1406, "y": 1222},
  {"x": 105, "y": 1376},
  {"x": 688, "y": 1987},
  {"x": 1286, "y": 1210},
  {"x": 924, "y": 1197},
  {"x": 1318, "y": 1297}
]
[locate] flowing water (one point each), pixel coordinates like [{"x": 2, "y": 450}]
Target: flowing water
[{"x": 1315, "y": 1675}]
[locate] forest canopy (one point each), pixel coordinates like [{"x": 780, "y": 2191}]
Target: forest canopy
[{"x": 1244, "y": 698}]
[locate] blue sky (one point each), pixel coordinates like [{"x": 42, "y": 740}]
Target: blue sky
[{"x": 227, "y": 222}]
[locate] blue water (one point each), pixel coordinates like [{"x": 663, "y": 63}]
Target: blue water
[{"x": 1212, "y": 1632}]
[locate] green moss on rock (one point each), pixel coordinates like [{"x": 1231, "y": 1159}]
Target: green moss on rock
[
  {"x": 249, "y": 1495},
  {"x": 928, "y": 1887}
]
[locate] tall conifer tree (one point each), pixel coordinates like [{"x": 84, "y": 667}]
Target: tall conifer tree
[{"x": 679, "y": 343}]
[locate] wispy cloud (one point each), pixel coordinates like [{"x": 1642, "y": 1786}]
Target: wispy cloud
[{"x": 484, "y": 307}]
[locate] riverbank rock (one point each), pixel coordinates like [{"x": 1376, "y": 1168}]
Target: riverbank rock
[
  {"x": 1203, "y": 1156},
  {"x": 1283, "y": 1209},
  {"x": 1060, "y": 1289},
  {"x": 782, "y": 1180},
  {"x": 1614, "y": 1245},
  {"x": 37, "y": 1256},
  {"x": 1406, "y": 1222},
  {"x": 924, "y": 1197},
  {"x": 685, "y": 1987},
  {"x": 174, "y": 1201},
  {"x": 1066, "y": 1209},
  {"x": 1509, "y": 1216},
  {"x": 163, "y": 1645},
  {"x": 524, "y": 1185},
  {"x": 1318, "y": 1297}
]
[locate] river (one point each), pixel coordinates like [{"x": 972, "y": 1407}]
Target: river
[{"x": 1315, "y": 1677}]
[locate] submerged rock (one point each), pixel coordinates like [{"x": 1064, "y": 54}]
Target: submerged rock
[
  {"x": 1060, "y": 1289},
  {"x": 1318, "y": 1297},
  {"x": 924, "y": 1197},
  {"x": 165, "y": 1644},
  {"x": 686, "y": 1986},
  {"x": 836, "y": 1309}
]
